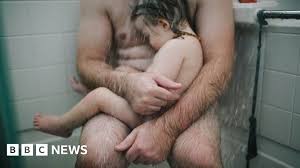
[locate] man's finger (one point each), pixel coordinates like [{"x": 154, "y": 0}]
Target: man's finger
[
  {"x": 127, "y": 142},
  {"x": 165, "y": 95},
  {"x": 157, "y": 102},
  {"x": 132, "y": 154},
  {"x": 166, "y": 83},
  {"x": 153, "y": 108},
  {"x": 145, "y": 113}
]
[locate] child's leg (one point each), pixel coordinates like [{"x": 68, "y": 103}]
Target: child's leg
[{"x": 98, "y": 100}]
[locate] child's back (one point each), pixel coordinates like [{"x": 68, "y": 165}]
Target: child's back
[{"x": 179, "y": 59}]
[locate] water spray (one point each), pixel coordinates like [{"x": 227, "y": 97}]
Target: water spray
[{"x": 262, "y": 15}]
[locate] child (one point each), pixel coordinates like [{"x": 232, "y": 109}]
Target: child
[{"x": 178, "y": 57}]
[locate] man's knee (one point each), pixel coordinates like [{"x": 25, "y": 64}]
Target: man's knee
[
  {"x": 201, "y": 158},
  {"x": 199, "y": 145},
  {"x": 101, "y": 134},
  {"x": 101, "y": 160}
]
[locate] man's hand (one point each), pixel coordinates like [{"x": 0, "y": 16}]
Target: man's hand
[
  {"x": 148, "y": 92},
  {"x": 147, "y": 144}
]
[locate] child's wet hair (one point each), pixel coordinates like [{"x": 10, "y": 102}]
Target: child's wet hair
[{"x": 173, "y": 11}]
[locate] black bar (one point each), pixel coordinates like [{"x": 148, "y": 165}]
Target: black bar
[
  {"x": 280, "y": 14},
  {"x": 262, "y": 15}
]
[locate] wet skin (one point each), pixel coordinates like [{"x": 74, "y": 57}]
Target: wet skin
[{"x": 106, "y": 33}]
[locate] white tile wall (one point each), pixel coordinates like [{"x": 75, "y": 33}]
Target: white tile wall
[
  {"x": 295, "y": 138},
  {"x": 70, "y": 42},
  {"x": 299, "y": 67},
  {"x": 275, "y": 124},
  {"x": 297, "y": 96},
  {"x": 39, "y": 17},
  {"x": 279, "y": 118},
  {"x": 40, "y": 82},
  {"x": 40, "y": 40},
  {"x": 278, "y": 99},
  {"x": 35, "y": 51},
  {"x": 41, "y": 46},
  {"x": 15, "y": 18},
  {"x": 282, "y": 52},
  {"x": 57, "y": 104},
  {"x": 278, "y": 89}
]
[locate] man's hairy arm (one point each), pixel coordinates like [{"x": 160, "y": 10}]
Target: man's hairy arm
[
  {"x": 95, "y": 40},
  {"x": 152, "y": 141},
  {"x": 144, "y": 91},
  {"x": 215, "y": 26}
]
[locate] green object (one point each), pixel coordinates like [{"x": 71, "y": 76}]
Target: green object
[{"x": 7, "y": 125}]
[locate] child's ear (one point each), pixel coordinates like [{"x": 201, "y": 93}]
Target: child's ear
[{"x": 164, "y": 24}]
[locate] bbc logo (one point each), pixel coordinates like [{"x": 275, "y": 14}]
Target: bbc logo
[{"x": 26, "y": 150}]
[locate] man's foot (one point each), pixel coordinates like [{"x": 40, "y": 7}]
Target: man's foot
[{"x": 50, "y": 125}]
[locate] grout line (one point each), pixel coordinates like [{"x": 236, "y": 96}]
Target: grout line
[
  {"x": 293, "y": 111},
  {"x": 276, "y": 107},
  {"x": 281, "y": 72},
  {"x": 274, "y": 159},
  {"x": 14, "y": 100},
  {"x": 32, "y": 1},
  {"x": 40, "y": 34},
  {"x": 30, "y": 100},
  {"x": 290, "y": 131},
  {"x": 39, "y": 68},
  {"x": 67, "y": 33}
]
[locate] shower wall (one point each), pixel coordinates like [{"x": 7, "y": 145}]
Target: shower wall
[
  {"x": 278, "y": 100},
  {"x": 41, "y": 46},
  {"x": 287, "y": 4},
  {"x": 40, "y": 39}
]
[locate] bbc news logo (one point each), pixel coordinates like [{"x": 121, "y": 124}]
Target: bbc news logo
[{"x": 44, "y": 150}]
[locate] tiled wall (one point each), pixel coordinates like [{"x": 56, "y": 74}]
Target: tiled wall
[
  {"x": 280, "y": 112},
  {"x": 40, "y": 40},
  {"x": 278, "y": 99},
  {"x": 41, "y": 46},
  {"x": 287, "y": 4}
]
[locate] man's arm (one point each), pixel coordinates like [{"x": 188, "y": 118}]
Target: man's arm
[
  {"x": 95, "y": 40},
  {"x": 151, "y": 142},
  {"x": 215, "y": 26}
]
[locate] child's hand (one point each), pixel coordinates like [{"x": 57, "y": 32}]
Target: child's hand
[{"x": 77, "y": 86}]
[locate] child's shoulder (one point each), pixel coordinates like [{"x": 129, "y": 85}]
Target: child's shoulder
[{"x": 184, "y": 43}]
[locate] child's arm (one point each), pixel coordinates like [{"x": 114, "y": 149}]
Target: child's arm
[{"x": 168, "y": 59}]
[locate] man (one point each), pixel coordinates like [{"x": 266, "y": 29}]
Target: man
[{"x": 187, "y": 134}]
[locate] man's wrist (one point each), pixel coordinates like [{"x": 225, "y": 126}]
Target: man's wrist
[{"x": 163, "y": 123}]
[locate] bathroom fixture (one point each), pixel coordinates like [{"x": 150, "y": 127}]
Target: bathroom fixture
[{"x": 262, "y": 15}]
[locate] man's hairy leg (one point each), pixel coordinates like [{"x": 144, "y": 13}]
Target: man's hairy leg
[
  {"x": 101, "y": 134},
  {"x": 199, "y": 145}
]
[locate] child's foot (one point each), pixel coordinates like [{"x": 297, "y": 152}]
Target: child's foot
[{"x": 50, "y": 125}]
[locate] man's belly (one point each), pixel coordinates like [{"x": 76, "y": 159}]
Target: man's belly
[
  {"x": 138, "y": 57},
  {"x": 139, "y": 64}
]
